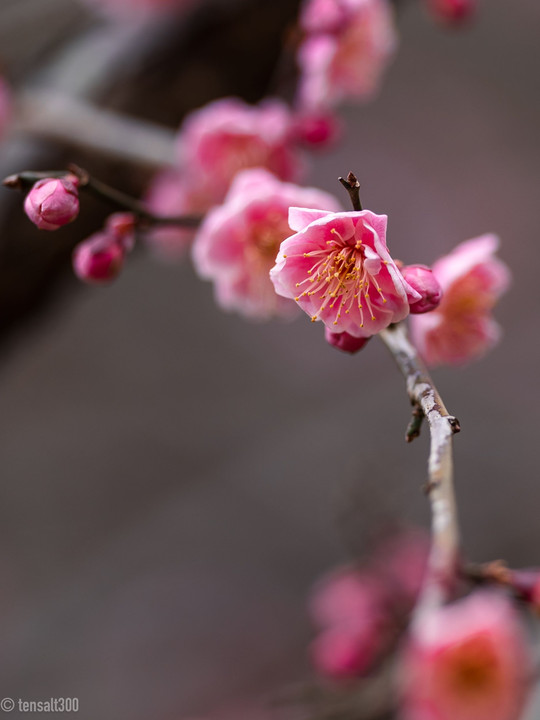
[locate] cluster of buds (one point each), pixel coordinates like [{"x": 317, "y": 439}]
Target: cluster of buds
[{"x": 100, "y": 258}]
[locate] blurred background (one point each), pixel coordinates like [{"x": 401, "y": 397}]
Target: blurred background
[{"x": 174, "y": 479}]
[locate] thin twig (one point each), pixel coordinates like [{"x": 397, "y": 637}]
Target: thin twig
[
  {"x": 443, "y": 559},
  {"x": 352, "y": 186},
  {"x": 25, "y": 180}
]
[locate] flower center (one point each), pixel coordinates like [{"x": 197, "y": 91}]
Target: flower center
[{"x": 339, "y": 278}]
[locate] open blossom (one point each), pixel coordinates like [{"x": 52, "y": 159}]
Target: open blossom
[
  {"x": 237, "y": 244},
  {"x": 338, "y": 269},
  {"x": 462, "y": 328},
  {"x": 346, "y": 57},
  {"x": 466, "y": 661},
  {"x": 229, "y": 135},
  {"x": 53, "y": 202}
]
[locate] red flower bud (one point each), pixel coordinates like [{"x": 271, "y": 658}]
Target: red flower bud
[{"x": 52, "y": 202}]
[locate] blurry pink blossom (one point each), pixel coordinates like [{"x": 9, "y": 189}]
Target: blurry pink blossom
[
  {"x": 318, "y": 16},
  {"x": 237, "y": 244},
  {"x": 99, "y": 259},
  {"x": 422, "y": 279},
  {"x": 169, "y": 194},
  {"x": 53, "y": 202},
  {"x": 338, "y": 269},
  {"x": 466, "y": 661},
  {"x": 401, "y": 559},
  {"x": 453, "y": 12},
  {"x": 348, "y": 61},
  {"x": 461, "y": 329},
  {"x": 5, "y": 106},
  {"x": 350, "y": 607},
  {"x": 316, "y": 129},
  {"x": 228, "y": 135}
]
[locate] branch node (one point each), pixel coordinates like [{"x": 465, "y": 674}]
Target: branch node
[
  {"x": 415, "y": 423},
  {"x": 454, "y": 424},
  {"x": 352, "y": 186}
]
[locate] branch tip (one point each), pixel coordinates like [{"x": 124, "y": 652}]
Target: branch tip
[{"x": 352, "y": 185}]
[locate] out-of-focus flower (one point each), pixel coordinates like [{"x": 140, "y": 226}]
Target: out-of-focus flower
[
  {"x": 401, "y": 560},
  {"x": 323, "y": 16},
  {"x": 338, "y": 269},
  {"x": 466, "y": 661},
  {"x": 316, "y": 129},
  {"x": 344, "y": 341},
  {"x": 237, "y": 244},
  {"x": 227, "y": 136},
  {"x": 452, "y": 12},
  {"x": 170, "y": 195},
  {"x": 422, "y": 279},
  {"x": 5, "y": 106},
  {"x": 53, "y": 202},
  {"x": 462, "y": 329},
  {"x": 350, "y": 607},
  {"x": 130, "y": 9},
  {"x": 99, "y": 259},
  {"x": 345, "y": 57}
]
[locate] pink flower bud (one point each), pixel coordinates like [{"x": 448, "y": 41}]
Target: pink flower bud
[
  {"x": 316, "y": 129},
  {"x": 341, "y": 653},
  {"x": 422, "y": 279},
  {"x": 452, "y": 12},
  {"x": 52, "y": 202},
  {"x": 122, "y": 226},
  {"x": 344, "y": 341},
  {"x": 99, "y": 259}
]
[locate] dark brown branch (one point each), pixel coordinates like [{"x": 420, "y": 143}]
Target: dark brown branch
[{"x": 352, "y": 186}]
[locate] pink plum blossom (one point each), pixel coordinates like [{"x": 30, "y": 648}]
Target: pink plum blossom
[
  {"x": 53, "y": 202},
  {"x": 237, "y": 244},
  {"x": 338, "y": 269},
  {"x": 422, "y": 279},
  {"x": 169, "y": 194},
  {"x": 466, "y": 661},
  {"x": 347, "y": 60},
  {"x": 315, "y": 129},
  {"x": 461, "y": 329},
  {"x": 318, "y": 16},
  {"x": 350, "y": 608},
  {"x": 228, "y": 135}
]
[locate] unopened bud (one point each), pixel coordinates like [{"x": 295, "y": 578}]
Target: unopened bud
[
  {"x": 452, "y": 12},
  {"x": 344, "y": 341},
  {"x": 52, "y": 202},
  {"x": 422, "y": 279},
  {"x": 122, "y": 226},
  {"x": 99, "y": 259},
  {"x": 316, "y": 129}
]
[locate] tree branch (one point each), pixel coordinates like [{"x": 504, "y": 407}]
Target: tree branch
[{"x": 442, "y": 565}]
